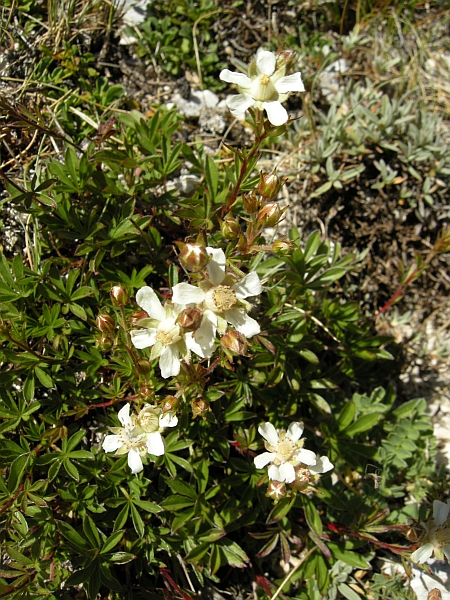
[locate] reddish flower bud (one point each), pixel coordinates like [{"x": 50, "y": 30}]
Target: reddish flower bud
[
  {"x": 143, "y": 367},
  {"x": 137, "y": 316},
  {"x": 200, "y": 407},
  {"x": 119, "y": 296},
  {"x": 276, "y": 490},
  {"x": 230, "y": 228},
  {"x": 194, "y": 257},
  {"x": 235, "y": 342},
  {"x": 281, "y": 247},
  {"x": 170, "y": 403},
  {"x": 146, "y": 393},
  {"x": 190, "y": 319},
  {"x": 269, "y": 185},
  {"x": 251, "y": 203},
  {"x": 287, "y": 59},
  {"x": 103, "y": 344},
  {"x": 105, "y": 323},
  {"x": 270, "y": 214}
]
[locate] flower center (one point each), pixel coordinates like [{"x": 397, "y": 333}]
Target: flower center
[
  {"x": 148, "y": 420},
  {"x": 286, "y": 449},
  {"x": 263, "y": 90},
  {"x": 223, "y": 298},
  {"x": 440, "y": 536},
  {"x": 168, "y": 332}
]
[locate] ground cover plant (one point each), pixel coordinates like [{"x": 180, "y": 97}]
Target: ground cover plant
[{"x": 199, "y": 396}]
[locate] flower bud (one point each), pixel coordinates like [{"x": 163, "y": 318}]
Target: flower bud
[
  {"x": 270, "y": 214},
  {"x": 269, "y": 184},
  {"x": 138, "y": 316},
  {"x": 286, "y": 59},
  {"x": 170, "y": 403},
  {"x": 190, "y": 319},
  {"x": 119, "y": 296},
  {"x": 230, "y": 228},
  {"x": 235, "y": 342},
  {"x": 105, "y": 323},
  {"x": 194, "y": 257},
  {"x": 251, "y": 203},
  {"x": 200, "y": 407},
  {"x": 276, "y": 490},
  {"x": 281, "y": 247},
  {"x": 103, "y": 344},
  {"x": 143, "y": 367},
  {"x": 146, "y": 393},
  {"x": 303, "y": 477}
]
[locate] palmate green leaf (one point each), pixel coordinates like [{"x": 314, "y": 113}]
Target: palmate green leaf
[
  {"x": 350, "y": 558},
  {"x": 280, "y": 510},
  {"x": 91, "y": 532},
  {"x": 17, "y": 471},
  {"x": 174, "y": 503},
  {"x": 81, "y": 575},
  {"x": 312, "y": 516},
  {"x": 44, "y": 377},
  {"x": 71, "y": 469},
  {"x": 348, "y": 592},
  {"x": 198, "y": 552},
  {"x": 138, "y": 523},
  {"x": 73, "y": 536},
  {"x": 346, "y": 415},
  {"x": 112, "y": 541},
  {"x": 362, "y": 424}
]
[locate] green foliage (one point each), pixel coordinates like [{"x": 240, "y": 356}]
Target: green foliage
[{"x": 103, "y": 220}]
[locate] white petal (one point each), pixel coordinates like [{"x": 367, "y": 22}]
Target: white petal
[
  {"x": 423, "y": 553},
  {"x": 185, "y": 293},
  {"x": 295, "y": 431},
  {"x": 143, "y": 338},
  {"x": 111, "y": 443},
  {"x": 203, "y": 340},
  {"x": 287, "y": 472},
  {"x": 269, "y": 433},
  {"x": 446, "y": 551},
  {"x": 263, "y": 459},
  {"x": 168, "y": 420},
  {"x": 216, "y": 266},
  {"x": 276, "y": 113},
  {"x": 149, "y": 301},
  {"x": 265, "y": 62},
  {"x": 134, "y": 460},
  {"x": 291, "y": 83},
  {"x": 124, "y": 416},
  {"x": 250, "y": 285},
  {"x": 274, "y": 473},
  {"x": 155, "y": 444},
  {"x": 440, "y": 512},
  {"x": 169, "y": 361},
  {"x": 242, "y": 322},
  {"x": 238, "y": 78},
  {"x": 323, "y": 465},
  {"x": 239, "y": 103},
  {"x": 307, "y": 457}
]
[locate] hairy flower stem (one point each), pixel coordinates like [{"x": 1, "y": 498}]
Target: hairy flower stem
[{"x": 260, "y": 135}]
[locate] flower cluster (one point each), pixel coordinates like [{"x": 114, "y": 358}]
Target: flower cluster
[
  {"x": 196, "y": 314},
  {"x": 139, "y": 435},
  {"x": 436, "y": 535},
  {"x": 265, "y": 88},
  {"x": 289, "y": 461}
]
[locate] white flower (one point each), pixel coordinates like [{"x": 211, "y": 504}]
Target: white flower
[
  {"x": 437, "y": 535},
  {"x": 288, "y": 457},
  {"x": 221, "y": 298},
  {"x": 161, "y": 331},
  {"x": 265, "y": 88},
  {"x": 140, "y": 434}
]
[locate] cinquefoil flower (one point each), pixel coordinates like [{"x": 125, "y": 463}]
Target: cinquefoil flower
[
  {"x": 161, "y": 332},
  {"x": 265, "y": 88},
  {"x": 221, "y": 298},
  {"x": 286, "y": 453},
  {"x": 436, "y": 538},
  {"x": 140, "y": 435}
]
